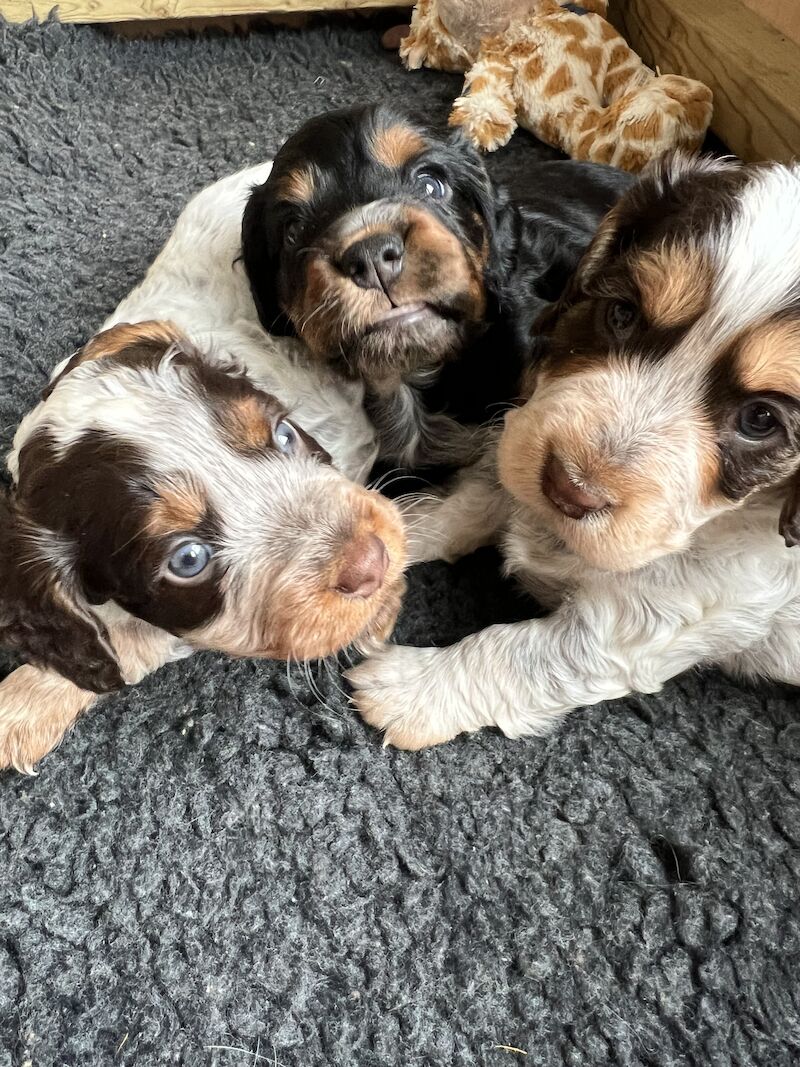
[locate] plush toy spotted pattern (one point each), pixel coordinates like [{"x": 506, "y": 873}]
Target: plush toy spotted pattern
[{"x": 559, "y": 70}]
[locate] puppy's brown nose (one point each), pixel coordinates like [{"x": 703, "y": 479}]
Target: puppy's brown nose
[
  {"x": 374, "y": 262},
  {"x": 569, "y": 498},
  {"x": 363, "y": 568}
]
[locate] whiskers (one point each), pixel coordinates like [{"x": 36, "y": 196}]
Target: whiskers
[{"x": 322, "y": 678}]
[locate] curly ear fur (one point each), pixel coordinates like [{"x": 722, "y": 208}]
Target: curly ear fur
[
  {"x": 676, "y": 186},
  {"x": 789, "y": 522},
  {"x": 261, "y": 264},
  {"x": 41, "y": 619},
  {"x": 116, "y": 340}
]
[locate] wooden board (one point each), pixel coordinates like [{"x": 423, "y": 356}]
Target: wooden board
[
  {"x": 752, "y": 68},
  {"x": 783, "y": 14},
  {"x": 130, "y": 10}
]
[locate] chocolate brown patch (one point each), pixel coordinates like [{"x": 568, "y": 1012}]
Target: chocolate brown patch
[
  {"x": 394, "y": 146},
  {"x": 674, "y": 282},
  {"x": 114, "y": 341}
]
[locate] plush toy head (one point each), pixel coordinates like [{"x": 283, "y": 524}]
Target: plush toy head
[{"x": 562, "y": 72}]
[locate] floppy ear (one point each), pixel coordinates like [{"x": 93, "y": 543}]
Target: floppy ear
[
  {"x": 40, "y": 617},
  {"x": 789, "y": 522},
  {"x": 260, "y": 257},
  {"x": 602, "y": 248},
  {"x": 152, "y": 334}
]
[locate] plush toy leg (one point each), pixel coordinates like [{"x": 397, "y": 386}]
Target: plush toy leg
[
  {"x": 486, "y": 110},
  {"x": 598, "y": 7},
  {"x": 428, "y": 44},
  {"x": 667, "y": 112}
]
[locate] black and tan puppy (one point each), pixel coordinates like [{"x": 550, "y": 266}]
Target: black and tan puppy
[{"x": 388, "y": 249}]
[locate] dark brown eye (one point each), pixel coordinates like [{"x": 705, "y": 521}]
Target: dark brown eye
[
  {"x": 621, "y": 318},
  {"x": 758, "y": 421},
  {"x": 431, "y": 186},
  {"x": 291, "y": 231}
]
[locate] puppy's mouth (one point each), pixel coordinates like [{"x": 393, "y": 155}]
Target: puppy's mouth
[{"x": 404, "y": 315}]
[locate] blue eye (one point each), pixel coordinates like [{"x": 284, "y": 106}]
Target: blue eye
[
  {"x": 431, "y": 187},
  {"x": 189, "y": 559},
  {"x": 286, "y": 439}
]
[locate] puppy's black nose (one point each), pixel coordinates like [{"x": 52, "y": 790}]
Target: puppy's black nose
[{"x": 375, "y": 261}]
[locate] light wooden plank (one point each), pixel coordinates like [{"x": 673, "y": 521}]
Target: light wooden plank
[
  {"x": 783, "y": 14},
  {"x": 753, "y": 70},
  {"x": 131, "y": 10}
]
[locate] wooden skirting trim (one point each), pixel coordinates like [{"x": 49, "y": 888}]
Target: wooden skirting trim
[{"x": 131, "y": 10}]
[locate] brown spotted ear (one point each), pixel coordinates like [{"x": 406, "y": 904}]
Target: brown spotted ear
[
  {"x": 789, "y": 522},
  {"x": 41, "y": 619},
  {"x": 142, "y": 337}
]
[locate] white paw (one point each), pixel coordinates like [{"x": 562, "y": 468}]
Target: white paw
[{"x": 403, "y": 692}]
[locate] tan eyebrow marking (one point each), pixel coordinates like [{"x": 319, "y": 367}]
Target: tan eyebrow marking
[
  {"x": 395, "y": 145},
  {"x": 176, "y": 508},
  {"x": 246, "y": 425},
  {"x": 768, "y": 359},
  {"x": 675, "y": 283},
  {"x": 297, "y": 185}
]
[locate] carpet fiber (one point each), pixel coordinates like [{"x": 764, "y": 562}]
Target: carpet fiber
[{"x": 218, "y": 868}]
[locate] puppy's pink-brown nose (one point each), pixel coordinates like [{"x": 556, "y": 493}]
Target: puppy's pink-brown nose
[
  {"x": 568, "y": 497},
  {"x": 364, "y": 567}
]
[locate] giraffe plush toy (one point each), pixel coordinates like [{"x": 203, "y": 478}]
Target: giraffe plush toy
[{"x": 559, "y": 70}]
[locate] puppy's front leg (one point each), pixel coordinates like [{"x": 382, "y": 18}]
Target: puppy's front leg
[
  {"x": 470, "y": 514},
  {"x": 38, "y": 706},
  {"x": 525, "y": 677}
]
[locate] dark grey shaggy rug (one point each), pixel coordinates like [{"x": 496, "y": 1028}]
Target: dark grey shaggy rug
[{"x": 216, "y": 869}]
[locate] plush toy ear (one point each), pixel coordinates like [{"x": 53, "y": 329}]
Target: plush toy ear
[
  {"x": 41, "y": 618},
  {"x": 260, "y": 255}
]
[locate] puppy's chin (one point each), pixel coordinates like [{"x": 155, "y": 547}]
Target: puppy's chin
[
  {"x": 394, "y": 348},
  {"x": 603, "y": 542}
]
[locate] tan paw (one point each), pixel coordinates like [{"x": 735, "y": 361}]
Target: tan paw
[
  {"x": 23, "y": 744},
  {"x": 37, "y": 707}
]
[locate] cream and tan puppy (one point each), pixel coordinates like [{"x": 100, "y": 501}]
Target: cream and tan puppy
[{"x": 649, "y": 490}]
